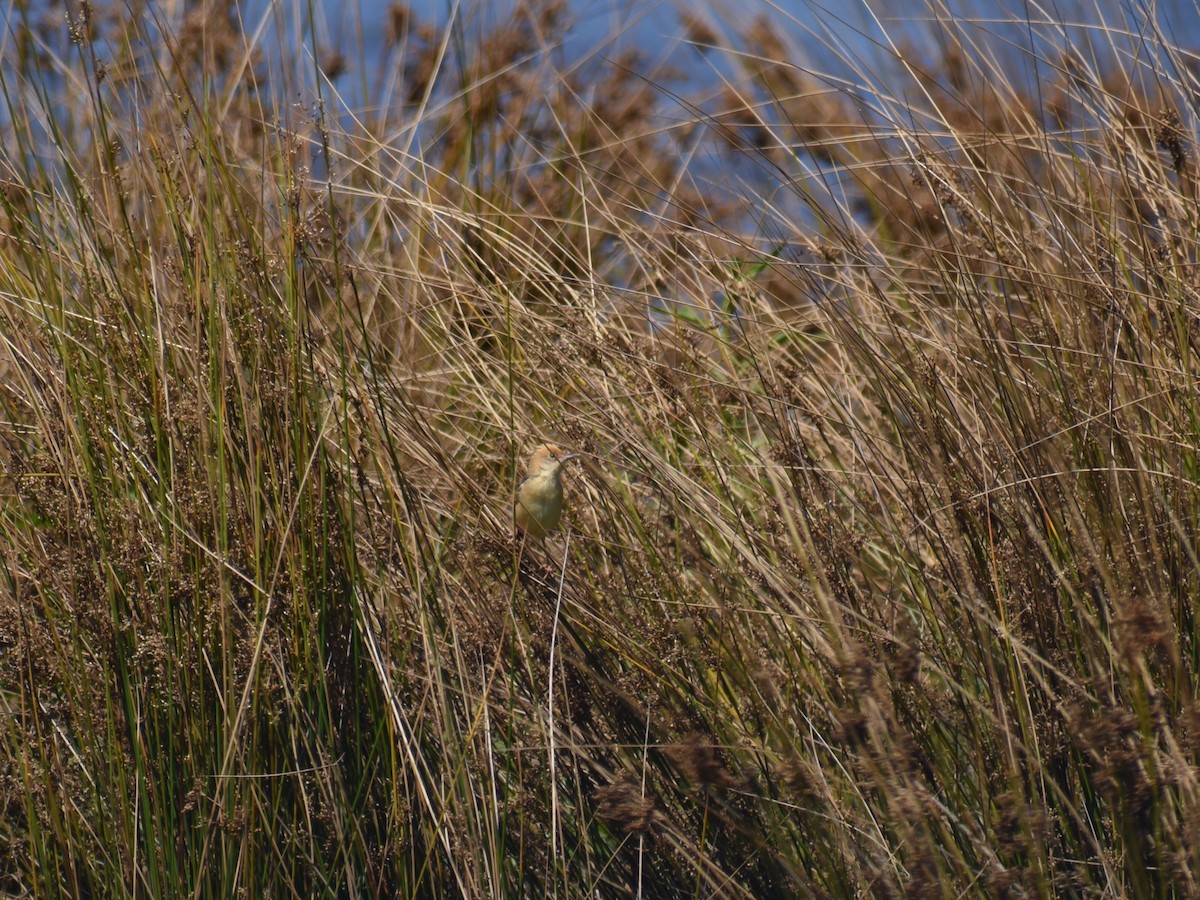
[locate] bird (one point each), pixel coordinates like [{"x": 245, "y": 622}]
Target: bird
[{"x": 539, "y": 501}]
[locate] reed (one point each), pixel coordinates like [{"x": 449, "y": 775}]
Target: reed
[{"x": 877, "y": 575}]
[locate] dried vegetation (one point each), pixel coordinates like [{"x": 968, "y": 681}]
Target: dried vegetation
[{"x": 879, "y": 576}]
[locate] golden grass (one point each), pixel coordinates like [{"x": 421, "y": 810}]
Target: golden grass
[{"x": 878, "y": 575}]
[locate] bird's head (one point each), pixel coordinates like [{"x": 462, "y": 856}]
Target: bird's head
[{"x": 547, "y": 460}]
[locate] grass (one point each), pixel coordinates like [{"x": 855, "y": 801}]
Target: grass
[{"x": 879, "y": 571}]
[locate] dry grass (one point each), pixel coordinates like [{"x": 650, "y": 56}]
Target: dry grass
[{"x": 879, "y": 576}]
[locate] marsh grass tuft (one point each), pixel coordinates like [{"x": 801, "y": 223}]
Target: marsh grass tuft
[{"x": 880, "y": 577}]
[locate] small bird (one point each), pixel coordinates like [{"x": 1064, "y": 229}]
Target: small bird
[{"x": 539, "y": 501}]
